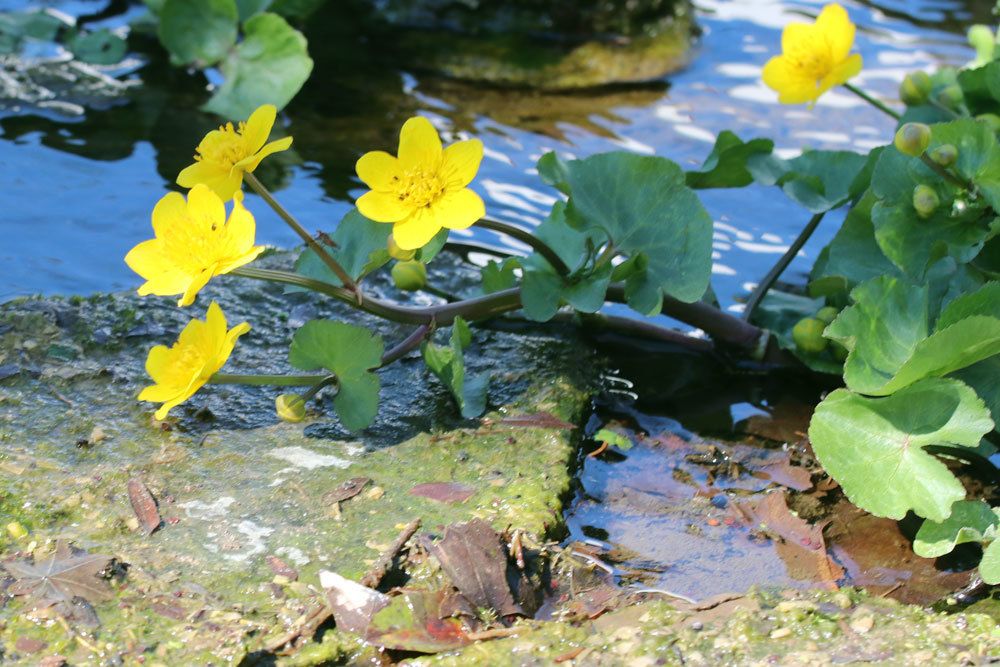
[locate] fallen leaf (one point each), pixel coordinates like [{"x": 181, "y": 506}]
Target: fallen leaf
[
  {"x": 353, "y": 605},
  {"x": 784, "y": 473},
  {"x": 412, "y": 622},
  {"x": 66, "y": 574},
  {"x": 144, "y": 506},
  {"x": 282, "y": 568},
  {"x": 444, "y": 492},
  {"x": 29, "y": 645},
  {"x": 347, "y": 490},
  {"x": 473, "y": 557},
  {"x": 537, "y": 420}
]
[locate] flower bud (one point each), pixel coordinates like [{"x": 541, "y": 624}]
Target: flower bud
[
  {"x": 925, "y": 200},
  {"x": 409, "y": 276},
  {"x": 951, "y": 96},
  {"x": 915, "y": 88},
  {"x": 16, "y": 530},
  {"x": 290, "y": 408},
  {"x": 827, "y": 314},
  {"x": 398, "y": 253},
  {"x": 808, "y": 335},
  {"x": 944, "y": 155},
  {"x": 991, "y": 119},
  {"x": 912, "y": 139}
]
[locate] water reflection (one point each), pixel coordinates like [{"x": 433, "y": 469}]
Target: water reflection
[{"x": 80, "y": 189}]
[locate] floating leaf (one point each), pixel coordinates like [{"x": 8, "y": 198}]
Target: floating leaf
[
  {"x": 970, "y": 521},
  {"x": 448, "y": 364},
  {"x": 726, "y": 165},
  {"x": 66, "y": 574},
  {"x": 613, "y": 438},
  {"x": 101, "y": 47},
  {"x": 268, "y": 67},
  {"x": 874, "y": 446},
  {"x": 198, "y": 31},
  {"x": 350, "y": 352}
]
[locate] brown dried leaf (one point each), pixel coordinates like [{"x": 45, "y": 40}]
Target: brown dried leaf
[
  {"x": 66, "y": 574},
  {"x": 144, "y": 506},
  {"x": 347, "y": 490},
  {"x": 444, "y": 492},
  {"x": 537, "y": 420},
  {"x": 353, "y": 605},
  {"x": 414, "y": 621},
  {"x": 282, "y": 568},
  {"x": 473, "y": 557},
  {"x": 784, "y": 473}
]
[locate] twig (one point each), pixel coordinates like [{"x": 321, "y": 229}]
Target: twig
[
  {"x": 311, "y": 620},
  {"x": 495, "y": 633},
  {"x": 374, "y": 576}
]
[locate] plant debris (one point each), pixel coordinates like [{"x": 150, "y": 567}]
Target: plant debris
[
  {"x": 66, "y": 574},
  {"x": 144, "y": 506},
  {"x": 378, "y": 570},
  {"x": 444, "y": 492},
  {"x": 537, "y": 420},
  {"x": 353, "y": 604},
  {"x": 347, "y": 490}
]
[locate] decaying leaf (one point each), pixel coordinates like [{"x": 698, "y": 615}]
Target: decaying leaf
[
  {"x": 68, "y": 573},
  {"x": 353, "y": 605},
  {"x": 473, "y": 557},
  {"x": 346, "y": 491},
  {"x": 783, "y": 472},
  {"x": 537, "y": 420},
  {"x": 282, "y": 568},
  {"x": 144, "y": 506},
  {"x": 444, "y": 492},
  {"x": 414, "y": 621}
]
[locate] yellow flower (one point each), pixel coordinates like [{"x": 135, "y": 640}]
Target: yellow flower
[
  {"x": 193, "y": 243},
  {"x": 424, "y": 189},
  {"x": 814, "y": 58},
  {"x": 200, "y": 351},
  {"x": 224, "y": 155}
]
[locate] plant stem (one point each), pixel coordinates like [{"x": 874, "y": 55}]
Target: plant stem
[
  {"x": 872, "y": 101},
  {"x": 530, "y": 239},
  {"x": 772, "y": 276},
  {"x": 945, "y": 174},
  {"x": 606, "y": 256},
  {"x": 313, "y": 244},
  {"x": 406, "y": 345},
  {"x": 267, "y": 380}
]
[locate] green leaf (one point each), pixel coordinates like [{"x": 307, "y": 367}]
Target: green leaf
[
  {"x": 248, "y": 8},
  {"x": 350, "y": 352},
  {"x": 989, "y": 566},
  {"x": 16, "y": 26},
  {"x": 613, "y": 438},
  {"x": 818, "y": 180},
  {"x": 779, "y": 312},
  {"x": 268, "y": 66},
  {"x": 554, "y": 171},
  {"x": 984, "y": 301},
  {"x": 853, "y": 254},
  {"x": 101, "y": 47},
  {"x": 198, "y": 32},
  {"x": 643, "y": 205},
  {"x": 540, "y": 295},
  {"x": 448, "y": 364},
  {"x": 433, "y": 247},
  {"x": 978, "y": 154},
  {"x": 569, "y": 243},
  {"x": 981, "y": 87},
  {"x": 498, "y": 276},
  {"x": 297, "y": 9},
  {"x": 726, "y": 165},
  {"x": 361, "y": 247},
  {"x": 874, "y": 446},
  {"x": 887, "y": 330},
  {"x": 984, "y": 378},
  {"x": 970, "y": 521}
]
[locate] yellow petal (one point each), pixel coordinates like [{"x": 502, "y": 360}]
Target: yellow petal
[
  {"x": 168, "y": 212},
  {"x": 379, "y": 171},
  {"x": 792, "y": 87},
  {"x": 797, "y": 37},
  {"x": 838, "y": 31},
  {"x": 205, "y": 208},
  {"x": 193, "y": 287},
  {"x": 842, "y": 73},
  {"x": 419, "y": 145},
  {"x": 157, "y": 361},
  {"x": 162, "y": 277},
  {"x": 222, "y": 180},
  {"x": 461, "y": 163},
  {"x": 383, "y": 207},
  {"x": 258, "y": 127},
  {"x": 158, "y": 393},
  {"x": 416, "y": 231},
  {"x": 276, "y": 146},
  {"x": 458, "y": 210}
]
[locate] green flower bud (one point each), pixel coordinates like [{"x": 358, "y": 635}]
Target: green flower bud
[
  {"x": 827, "y": 314},
  {"x": 925, "y": 200},
  {"x": 16, "y": 530},
  {"x": 944, "y": 155},
  {"x": 915, "y": 89},
  {"x": 398, "y": 253},
  {"x": 808, "y": 335},
  {"x": 912, "y": 139},
  {"x": 951, "y": 96},
  {"x": 290, "y": 408},
  {"x": 409, "y": 276},
  {"x": 991, "y": 119}
]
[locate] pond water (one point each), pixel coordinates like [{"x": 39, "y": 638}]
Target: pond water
[{"x": 80, "y": 183}]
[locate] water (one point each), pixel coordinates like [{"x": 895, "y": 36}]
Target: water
[{"x": 78, "y": 189}]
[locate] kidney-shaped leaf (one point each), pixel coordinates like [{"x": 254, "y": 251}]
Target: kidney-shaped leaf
[
  {"x": 198, "y": 31},
  {"x": 874, "y": 446},
  {"x": 970, "y": 521}
]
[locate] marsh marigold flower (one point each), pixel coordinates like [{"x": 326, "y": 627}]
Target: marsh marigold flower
[
  {"x": 200, "y": 351},
  {"x": 423, "y": 190},
  {"x": 224, "y": 155},
  {"x": 194, "y": 242},
  {"x": 814, "y": 57}
]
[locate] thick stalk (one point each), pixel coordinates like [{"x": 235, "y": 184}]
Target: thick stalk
[
  {"x": 267, "y": 380},
  {"x": 406, "y": 345},
  {"x": 528, "y": 238},
  {"x": 772, "y": 276},
  {"x": 306, "y": 237},
  {"x": 872, "y": 101}
]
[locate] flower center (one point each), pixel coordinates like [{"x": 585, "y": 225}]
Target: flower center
[
  {"x": 813, "y": 60},
  {"x": 226, "y": 146},
  {"x": 420, "y": 188}
]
